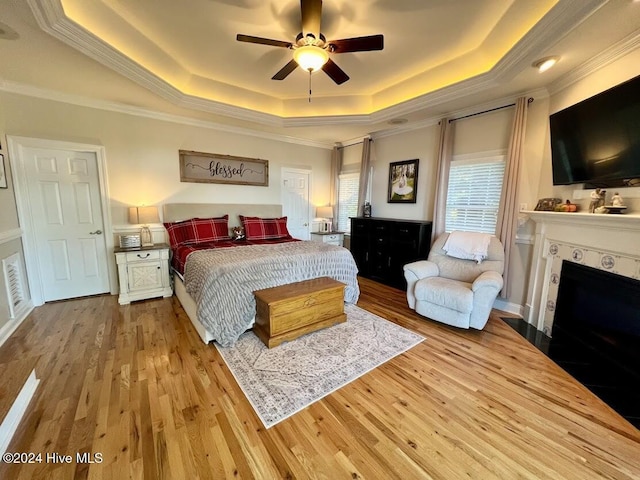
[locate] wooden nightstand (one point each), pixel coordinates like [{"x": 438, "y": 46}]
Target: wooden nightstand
[
  {"x": 332, "y": 238},
  {"x": 143, "y": 273}
]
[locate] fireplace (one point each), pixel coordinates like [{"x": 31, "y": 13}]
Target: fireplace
[
  {"x": 583, "y": 291},
  {"x": 591, "y": 298}
]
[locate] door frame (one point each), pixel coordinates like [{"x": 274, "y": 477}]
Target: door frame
[
  {"x": 16, "y": 147},
  {"x": 305, "y": 171}
]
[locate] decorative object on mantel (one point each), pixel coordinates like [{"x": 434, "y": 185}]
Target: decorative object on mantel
[
  {"x": 144, "y": 216},
  {"x": 597, "y": 201},
  {"x": 566, "y": 207},
  {"x": 200, "y": 167},
  {"x": 547, "y": 204},
  {"x": 617, "y": 204}
]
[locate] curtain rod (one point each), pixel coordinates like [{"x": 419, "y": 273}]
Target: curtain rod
[
  {"x": 529, "y": 100},
  {"x": 352, "y": 144}
]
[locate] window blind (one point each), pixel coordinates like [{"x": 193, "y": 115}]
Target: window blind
[
  {"x": 349, "y": 183},
  {"x": 473, "y": 194}
]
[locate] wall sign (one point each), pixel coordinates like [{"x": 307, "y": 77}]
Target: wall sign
[{"x": 213, "y": 168}]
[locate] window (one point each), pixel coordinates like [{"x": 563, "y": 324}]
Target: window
[
  {"x": 349, "y": 183},
  {"x": 473, "y": 196}
]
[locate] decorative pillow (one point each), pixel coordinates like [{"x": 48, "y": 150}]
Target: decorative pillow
[
  {"x": 257, "y": 228},
  {"x": 210, "y": 229},
  {"x": 180, "y": 232},
  {"x": 197, "y": 230}
]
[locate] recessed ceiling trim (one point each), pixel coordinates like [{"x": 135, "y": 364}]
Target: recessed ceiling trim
[
  {"x": 562, "y": 18},
  {"x": 28, "y": 90}
]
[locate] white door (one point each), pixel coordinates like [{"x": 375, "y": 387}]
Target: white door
[
  {"x": 295, "y": 202},
  {"x": 64, "y": 196}
]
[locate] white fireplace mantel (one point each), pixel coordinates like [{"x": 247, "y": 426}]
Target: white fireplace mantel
[{"x": 608, "y": 242}]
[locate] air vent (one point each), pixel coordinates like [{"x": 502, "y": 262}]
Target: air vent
[{"x": 14, "y": 281}]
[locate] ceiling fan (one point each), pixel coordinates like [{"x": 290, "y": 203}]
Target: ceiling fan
[{"x": 311, "y": 49}]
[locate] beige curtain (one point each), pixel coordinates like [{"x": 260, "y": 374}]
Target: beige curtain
[
  {"x": 508, "y": 212},
  {"x": 365, "y": 167},
  {"x": 336, "y": 166},
  {"x": 443, "y": 154}
]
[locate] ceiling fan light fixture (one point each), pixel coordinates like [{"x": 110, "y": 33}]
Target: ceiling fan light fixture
[{"x": 310, "y": 57}]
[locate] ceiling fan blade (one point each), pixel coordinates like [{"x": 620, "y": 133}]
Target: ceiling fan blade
[
  {"x": 285, "y": 71},
  {"x": 357, "y": 44},
  {"x": 335, "y": 72},
  {"x": 311, "y": 17},
  {"x": 263, "y": 41}
]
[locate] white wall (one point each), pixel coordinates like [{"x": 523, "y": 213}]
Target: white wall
[
  {"x": 418, "y": 144},
  {"x": 142, "y": 153}
]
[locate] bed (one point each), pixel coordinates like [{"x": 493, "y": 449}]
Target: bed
[{"x": 215, "y": 280}]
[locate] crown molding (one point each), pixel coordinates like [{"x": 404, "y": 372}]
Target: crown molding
[
  {"x": 36, "y": 92},
  {"x": 594, "y": 64},
  {"x": 562, "y": 18}
]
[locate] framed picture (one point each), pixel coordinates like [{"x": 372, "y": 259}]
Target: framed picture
[
  {"x": 3, "y": 173},
  {"x": 403, "y": 181},
  {"x": 214, "y": 168}
]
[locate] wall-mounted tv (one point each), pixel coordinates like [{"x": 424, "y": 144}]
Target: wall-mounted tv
[{"x": 597, "y": 141}]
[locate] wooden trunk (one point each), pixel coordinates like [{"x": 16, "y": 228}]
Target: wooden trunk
[{"x": 286, "y": 312}]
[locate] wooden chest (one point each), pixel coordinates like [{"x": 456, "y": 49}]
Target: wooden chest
[{"x": 286, "y": 312}]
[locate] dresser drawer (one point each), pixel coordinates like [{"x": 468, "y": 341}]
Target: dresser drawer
[{"x": 143, "y": 256}]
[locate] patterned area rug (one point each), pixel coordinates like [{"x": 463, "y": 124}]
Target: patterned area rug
[{"x": 283, "y": 380}]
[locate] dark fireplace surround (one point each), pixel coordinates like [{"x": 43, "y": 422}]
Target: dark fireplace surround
[{"x": 601, "y": 309}]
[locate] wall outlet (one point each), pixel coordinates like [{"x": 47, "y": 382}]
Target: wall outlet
[{"x": 523, "y": 207}]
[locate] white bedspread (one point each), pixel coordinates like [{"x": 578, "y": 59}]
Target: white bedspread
[{"x": 222, "y": 281}]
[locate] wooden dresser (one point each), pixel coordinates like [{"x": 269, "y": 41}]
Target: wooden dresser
[
  {"x": 286, "y": 312},
  {"x": 382, "y": 246}
]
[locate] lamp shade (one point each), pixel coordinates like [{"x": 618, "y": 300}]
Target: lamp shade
[
  {"x": 143, "y": 215},
  {"x": 324, "y": 212}
]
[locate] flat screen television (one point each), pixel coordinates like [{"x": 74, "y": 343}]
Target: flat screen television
[{"x": 597, "y": 141}]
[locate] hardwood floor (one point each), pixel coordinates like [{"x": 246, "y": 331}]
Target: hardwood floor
[{"x": 136, "y": 385}]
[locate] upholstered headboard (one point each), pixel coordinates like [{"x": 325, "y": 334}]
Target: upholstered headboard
[{"x": 175, "y": 212}]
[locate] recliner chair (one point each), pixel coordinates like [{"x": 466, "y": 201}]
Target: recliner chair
[{"x": 455, "y": 291}]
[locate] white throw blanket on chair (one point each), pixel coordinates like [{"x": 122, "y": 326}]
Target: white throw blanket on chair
[{"x": 467, "y": 245}]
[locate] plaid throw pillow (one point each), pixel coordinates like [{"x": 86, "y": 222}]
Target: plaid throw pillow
[
  {"x": 197, "y": 230},
  {"x": 256, "y": 228},
  {"x": 211, "y": 229}
]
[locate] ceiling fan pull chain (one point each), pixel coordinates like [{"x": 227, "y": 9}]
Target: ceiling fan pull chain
[{"x": 309, "y": 85}]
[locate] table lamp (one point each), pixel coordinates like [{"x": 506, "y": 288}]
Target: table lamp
[
  {"x": 326, "y": 214},
  {"x": 144, "y": 216}
]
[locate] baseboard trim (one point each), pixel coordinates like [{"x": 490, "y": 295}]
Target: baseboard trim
[
  {"x": 17, "y": 411},
  {"x": 7, "y": 329},
  {"x": 508, "y": 307}
]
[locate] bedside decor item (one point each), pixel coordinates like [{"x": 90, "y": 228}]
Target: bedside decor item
[
  {"x": 129, "y": 241},
  {"x": 144, "y": 216},
  {"x": 201, "y": 167},
  {"x": 403, "y": 181},
  {"x": 3, "y": 173},
  {"x": 326, "y": 214},
  {"x": 616, "y": 200}
]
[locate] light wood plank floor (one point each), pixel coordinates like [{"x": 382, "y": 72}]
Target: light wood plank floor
[{"x": 136, "y": 385}]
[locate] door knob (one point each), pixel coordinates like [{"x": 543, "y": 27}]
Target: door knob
[{"x": 97, "y": 232}]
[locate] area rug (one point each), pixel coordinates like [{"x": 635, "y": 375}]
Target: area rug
[{"x": 281, "y": 381}]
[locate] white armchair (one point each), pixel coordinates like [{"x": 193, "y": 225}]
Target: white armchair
[{"x": 454, "y": 291}]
